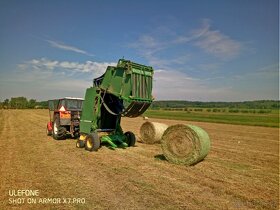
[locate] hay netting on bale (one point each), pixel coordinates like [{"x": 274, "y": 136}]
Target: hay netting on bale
[
  {"x": 185, "y": 144},
  {"x": 151, "y": 132}
]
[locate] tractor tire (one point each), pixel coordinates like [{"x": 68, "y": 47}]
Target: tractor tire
[
  {"x": 59, "y": 132},
  {"x": 130, "y": 138},
  {"x": 49, "y": 133},
  {"x": 92, "y": 142},
  {"x": 80, "y": 144}
]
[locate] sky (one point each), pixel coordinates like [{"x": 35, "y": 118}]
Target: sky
[{"x": 200, "y": 50}]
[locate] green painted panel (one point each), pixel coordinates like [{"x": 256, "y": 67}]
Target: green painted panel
[
  {"x": 88, "y": 115},
  {"x": 129, "y": 81}
]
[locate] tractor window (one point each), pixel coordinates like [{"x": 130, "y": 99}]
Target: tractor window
[
  {"x": 74, "y": 104},
  {"x": 61, "y": 103},
  {"x": 52, "y": 104}
]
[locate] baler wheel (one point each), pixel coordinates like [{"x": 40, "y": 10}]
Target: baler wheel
[
  {"x": 92, "y": 142},
  {"x": 80, "y": 144},
  {"x": 130, "y": 138}
]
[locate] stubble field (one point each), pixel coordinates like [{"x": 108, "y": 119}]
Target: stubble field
[{"x": 240, "y": 172}]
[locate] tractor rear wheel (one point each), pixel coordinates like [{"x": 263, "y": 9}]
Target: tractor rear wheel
[
  {"x": 80, "y": 144},
  {"x": 130, "y": 138},
  {"x": 59, "y": 132},
  {"x": 92, "y": 142}
]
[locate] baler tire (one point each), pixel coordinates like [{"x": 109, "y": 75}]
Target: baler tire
[
  {"x": 92, "y": 142},
  {"x": 130, "y": 138},
  {"x": 80, "y": 144}
]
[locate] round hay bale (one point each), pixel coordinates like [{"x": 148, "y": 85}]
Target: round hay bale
[
  {"x": 151, "y": 132},
  {"x": 185, "y": 144}
]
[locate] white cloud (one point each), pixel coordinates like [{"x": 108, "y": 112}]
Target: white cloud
[
  {"x": 45, "y": 79},
  {"x": 147, "y": 42},
  {"x": 147, "y": 46},
  {"x": 63, "y": 46},
  {"x": 171, "y": 79},
  {"x": 218, "y": 44},
  {"x": 172, "y": 85},
  {"x": 44, "y": 64},
  {"x": 212, "y": 42},
  {"x": 47, "y": 76},
  {"x": 195, "y": 34}
]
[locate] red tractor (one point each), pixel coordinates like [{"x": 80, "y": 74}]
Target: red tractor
[{"x": 64, "y": 117}]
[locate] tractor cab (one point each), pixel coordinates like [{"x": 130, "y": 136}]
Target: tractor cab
[{"x": 64, "y": 116}]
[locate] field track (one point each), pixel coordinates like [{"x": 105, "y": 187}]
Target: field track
[{"x": 240, "y": 172}]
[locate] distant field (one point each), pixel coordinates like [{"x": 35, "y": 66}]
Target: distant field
[{"x": 256, "y": 119}]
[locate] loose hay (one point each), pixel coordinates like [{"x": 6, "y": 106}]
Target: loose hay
[
  {"x": 185, "y": 144},
  {"x": 151, "y": 132}
]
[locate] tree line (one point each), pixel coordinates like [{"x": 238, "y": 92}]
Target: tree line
[
  {"x": 23, "y": 103},
  {"x": 260, "y": 104}
]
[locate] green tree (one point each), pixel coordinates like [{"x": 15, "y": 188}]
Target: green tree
[
  {"x": 6, "y": 103},
  {"x": 31, "y": 103},
  {"x": 19, "y": 103}
]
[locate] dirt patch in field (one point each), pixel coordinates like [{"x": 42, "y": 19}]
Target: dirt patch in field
[{"x": 240, "y": 172}]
